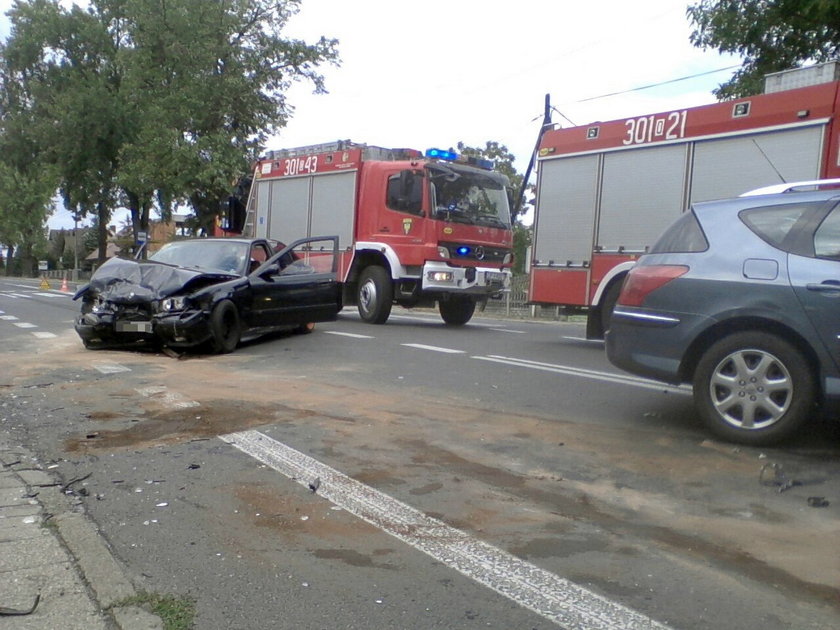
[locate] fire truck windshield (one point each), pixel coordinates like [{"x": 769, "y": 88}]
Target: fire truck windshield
[{"x": 469, "y": 195}]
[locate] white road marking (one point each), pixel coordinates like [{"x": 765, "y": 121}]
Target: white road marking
[
  {"x": 421, "y": 346},
  {"x": 508, "y": 330},
  {"x": 584, "y": 339},
  {"x": 44, "y": 335},
  {"x": 110, "y": 368},
  {"x": 608, "y": 377},
  {"x": 50, "y": 295},
  {"x": 554, "y": 598},
  {"x": 347, "y": 334},
  {"x": 25, "y": 325},
  {"x": 8, "y": 318}
]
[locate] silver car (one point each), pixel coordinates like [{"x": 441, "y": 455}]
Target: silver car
[{"x": 741, "y": 299}]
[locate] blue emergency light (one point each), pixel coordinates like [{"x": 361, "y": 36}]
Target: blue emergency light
[
  {"x": 441, "y": 154},
  {"x": 463, "y": 250}
]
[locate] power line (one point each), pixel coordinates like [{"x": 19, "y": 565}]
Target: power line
[{"x": 653, "y": 85}]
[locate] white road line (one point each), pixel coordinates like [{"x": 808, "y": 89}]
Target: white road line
[
  {"x": 421, "y": 346},
  {"x": 50, "y": 295},
  {"x": 347, "y": 334},
  {"x": 44, "y": 335},
  {"x": 8, "y": 318},
  {"x": 591, "y": 374},
  {"x": 21, "y": 295},
  {"x": 584, "y": 339},
  {"x": 25, "y": 325},
  {"x": 554, "y": 598},
  {"x": 508, "y": 330}
]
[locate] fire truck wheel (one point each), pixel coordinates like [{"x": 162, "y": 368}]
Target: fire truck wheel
[
  {"x": 225, "y": 329},
  {"x": 376, "y": 295},
  {"x": 456, "y": 311}
]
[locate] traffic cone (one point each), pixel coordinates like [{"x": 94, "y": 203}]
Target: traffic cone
[{"x": 64, "y": 286}]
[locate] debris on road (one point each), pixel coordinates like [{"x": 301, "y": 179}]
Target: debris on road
[
  {"x": 15, "y": 612},
  {"x": 776, "y": 478},
  {"x": 818, "y": 502}
]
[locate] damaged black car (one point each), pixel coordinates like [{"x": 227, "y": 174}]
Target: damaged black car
[{"x": 210, "y": 292}]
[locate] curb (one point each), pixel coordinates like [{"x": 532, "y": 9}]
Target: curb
[{"x": 81, "y": 546}]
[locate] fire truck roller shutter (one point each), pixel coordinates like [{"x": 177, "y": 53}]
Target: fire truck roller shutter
[
  {"x": 642, "y": 194},
  {"x": 726, "y": 167},
  {"x": 333, "y": 200},
  {"x": 566, "y": 209},
  {"x": 288, "y": 217}
]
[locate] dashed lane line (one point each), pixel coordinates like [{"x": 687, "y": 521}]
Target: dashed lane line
[
  {"x": 544, "y": 593},
  {"x": 422, "y": 346},
  {"x": 347, "y": 334}
]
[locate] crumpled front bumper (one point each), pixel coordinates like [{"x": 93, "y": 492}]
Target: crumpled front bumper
[{"x": 105, "y": 329}]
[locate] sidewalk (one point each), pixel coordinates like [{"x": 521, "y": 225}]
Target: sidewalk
[{"x": 56, "y": 571}]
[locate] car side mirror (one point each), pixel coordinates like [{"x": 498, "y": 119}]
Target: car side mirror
[{"x": 272, "y": 270}]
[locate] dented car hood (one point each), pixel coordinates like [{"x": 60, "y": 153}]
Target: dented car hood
[{"x": 131, "y": 282}]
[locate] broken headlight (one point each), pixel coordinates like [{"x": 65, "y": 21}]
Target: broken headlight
[{"x": 172, "y": 304}]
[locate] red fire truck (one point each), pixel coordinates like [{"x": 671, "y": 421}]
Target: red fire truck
[
  {"x": 605, "y": 191},
  {"x": 414, "y": 228}
]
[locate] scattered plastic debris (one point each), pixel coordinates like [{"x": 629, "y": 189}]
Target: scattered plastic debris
[
  {"x": 315, "y": 484},
  {"x": 776, "y": 477},
  {"x": 14, "y": 611},
  {"x": 818, "y": 502}
]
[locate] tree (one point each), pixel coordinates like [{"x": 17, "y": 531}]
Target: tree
[
  {"x": 771, "y": 35},
  {"x": 503, "y": 160},
  {"x": 151, "y": 102}
]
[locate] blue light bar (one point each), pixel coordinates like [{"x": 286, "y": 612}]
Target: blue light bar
[{"x": 441, "y": 154}]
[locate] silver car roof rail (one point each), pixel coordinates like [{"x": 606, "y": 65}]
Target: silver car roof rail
[{"x": 790, "y": 187}]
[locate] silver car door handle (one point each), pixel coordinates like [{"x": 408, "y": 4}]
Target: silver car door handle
[{"x": 829, "y": 286}]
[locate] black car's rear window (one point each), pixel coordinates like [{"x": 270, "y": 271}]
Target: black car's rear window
[
  {"x": 683, "y": 236},
  {"x": 774, "y": 224}
]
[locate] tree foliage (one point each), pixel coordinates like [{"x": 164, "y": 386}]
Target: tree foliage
[
  {"x": 147, "y": 103},
  {"x": 770, "y": 35}
]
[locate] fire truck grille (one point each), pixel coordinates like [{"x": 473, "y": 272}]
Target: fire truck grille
[{"x": 479, "y": 253}]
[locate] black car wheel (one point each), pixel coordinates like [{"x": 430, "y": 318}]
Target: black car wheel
[
  {"x": 608, "y": 304},
  {"x": 376, "y": 295},
  {"x": 456, "y": 311},
  {"x": 754, "y": 388},
  {"x": 225, "y": 329}
]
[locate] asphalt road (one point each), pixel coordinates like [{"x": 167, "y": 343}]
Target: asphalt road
[{"x": 500, "y": 475}]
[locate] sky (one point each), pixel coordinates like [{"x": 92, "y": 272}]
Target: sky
[{"x": 436, "y": 72}]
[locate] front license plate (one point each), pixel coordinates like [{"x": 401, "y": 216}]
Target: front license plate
[
  {"x": 141, "y": 327},
  {"x": 494, "y": 276}
]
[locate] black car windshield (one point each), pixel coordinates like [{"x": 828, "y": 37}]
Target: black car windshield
[
  {"x": 211, "y": 255},
  {"x": 469, "y": 196}
]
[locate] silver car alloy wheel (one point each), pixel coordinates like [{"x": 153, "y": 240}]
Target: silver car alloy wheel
[{"x": 751, "y": 389}]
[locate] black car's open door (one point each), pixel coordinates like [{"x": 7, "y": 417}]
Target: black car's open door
[{"x": 298, "y": 285}]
